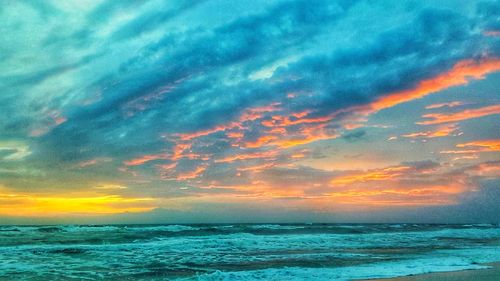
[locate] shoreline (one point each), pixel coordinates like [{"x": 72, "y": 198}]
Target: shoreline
[{"x": 485, "y": 274}]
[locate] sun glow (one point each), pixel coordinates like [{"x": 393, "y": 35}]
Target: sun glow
[{"x": 31, "y": 205}]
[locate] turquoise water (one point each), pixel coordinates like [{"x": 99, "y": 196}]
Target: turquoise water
[{"x": 242, "y": 252}]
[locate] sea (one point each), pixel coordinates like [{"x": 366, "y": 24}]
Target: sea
[{"x": 243, "y": 251}]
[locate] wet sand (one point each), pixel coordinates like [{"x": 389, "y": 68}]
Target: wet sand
[{"x": 489, "y": 274}]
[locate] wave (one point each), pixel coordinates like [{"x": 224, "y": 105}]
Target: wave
[
  {"x": 242, "y": 251},
  {"x": 112, "y": 234}
]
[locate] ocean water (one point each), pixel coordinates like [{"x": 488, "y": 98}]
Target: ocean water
[{"x": 242, "y": 251}]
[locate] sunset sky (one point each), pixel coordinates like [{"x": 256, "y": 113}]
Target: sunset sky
[{"x": 215, "y": 111}]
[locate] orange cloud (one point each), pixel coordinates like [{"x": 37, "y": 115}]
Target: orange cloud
[
  {"x": 438, "y": 118},
  {"x": 178, "y": 152},
  {"x": 459, "y": 75},
  {"x": 491, "y": 145},
  {"x": 190, "y": 136},
  {"x": 179, "y": 149},
  {"x": 193, "y": 174},
  {"x": 294, "y": 119},
  {"x": 256, "y": 167},
  {"x": 458, "y": 151},
  {"x": 261, "y": 141},
  {"x": 466, "y": 157},
  {"x": 246, "y": 156},
  {"x": 287, "y": 143},
  {"x": 146, "y": 158},
  {"x": 374, "y": 175},
  {"x": 257, "y": 112},
  {"x": 300, "y": 128},
  {"x": 93, "y": 162},
  {"x": 305, "y": 134},
  {"x": 298, "y": 155},
  {"x": 408, "y": 185},
  {"x": 390, "y": 186},
  {"x": 427, "y": 196},
  {"x": 235, "y": 135},
  {"x": 488, "y": 169},
  {"x": 483, "y": 145},
  {"x": 250, "y": 114},
  {"x": 352, "y": 126},
  {"x": 168, "y": 166},
  {"x": 441, "y": 131}
]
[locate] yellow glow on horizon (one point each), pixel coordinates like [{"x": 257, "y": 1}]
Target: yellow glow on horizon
[{"x": 13, "y": 204}]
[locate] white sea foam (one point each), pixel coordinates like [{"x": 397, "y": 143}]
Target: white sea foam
[{"x": 439, "y": 262}]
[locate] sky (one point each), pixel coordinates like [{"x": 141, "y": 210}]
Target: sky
[{"x": 249, "y": 111}]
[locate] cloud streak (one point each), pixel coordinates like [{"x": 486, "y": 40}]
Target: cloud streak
[{"x": 439, "y": 118}]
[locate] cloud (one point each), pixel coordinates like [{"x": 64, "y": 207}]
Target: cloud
[
  {"x": 445, "y": 104},
  {"x": 13, "y": 150},
  {"x": 249, "y": 103},
  {"x": 485, "y": 145},
  {"x": 354, "y": 136},
  {"x": 441, "y": 131},
  {"x": 458, "y": 75},
  {"x": 147, "y": 21},
  {"x": 491, "y": 145},
  {"x": 438, "y": 118},
  {"x": 486, "y": 11},
  {"x": 408, "y": 184}
]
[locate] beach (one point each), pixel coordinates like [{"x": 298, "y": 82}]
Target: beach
[{"x": 488, "y": 274}]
